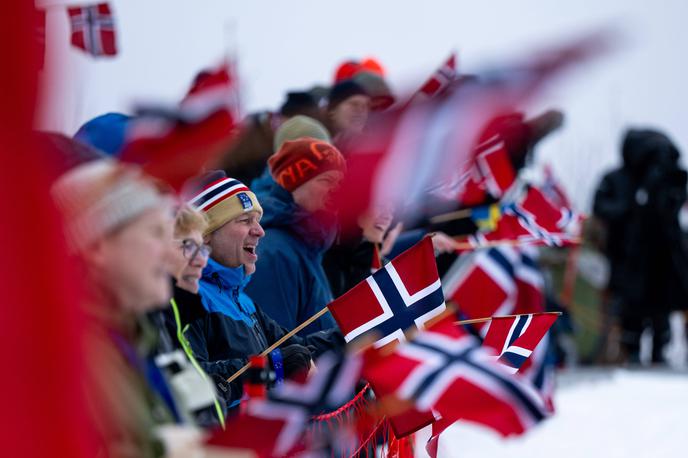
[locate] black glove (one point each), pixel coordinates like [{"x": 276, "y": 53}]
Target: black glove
[{"x": 295, "y": 358}]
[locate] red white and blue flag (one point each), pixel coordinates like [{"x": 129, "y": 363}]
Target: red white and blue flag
[
  {"x": 499, "y": 281},
  {"x": 276, "y": 426},
  {"x": 446, "y": 370},
  {"x": 93, "y": 29},
  {"x": 441, "y": 79},
  {"x": 176, "y": 143},
  {"x": 514, "y": 338},
  {"x": 553, "y": 190},
  {"x": 532, "y": 219},
  {"x": 402, "y": 295}
]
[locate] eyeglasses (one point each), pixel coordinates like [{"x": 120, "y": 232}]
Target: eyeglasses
[{"x": 191, "y": 249}]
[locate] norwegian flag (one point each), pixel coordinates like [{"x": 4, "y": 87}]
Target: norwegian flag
[
  {"x": 446, "y": 370},
  {"x": 514, "y": 338},
  {"x": 93, "y": 29},
  {"x": 176, "y": 143},
  {"x": 441, "y": 79},
  {"x": 533, "y": 219},
  {"x": 404, "y": 294},
  {"x": 502, "y": 281},
  {"x": 497, "y": 281},
  {"x": 429, "y": 146},
  {"x": 275, "y": 426},
  {"x": 553, "y": 190}
]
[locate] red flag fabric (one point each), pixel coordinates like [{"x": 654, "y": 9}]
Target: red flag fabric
[
  {"x": 174, "y": 144},
  {"x": 44, "y": 410},
  {"x": 275, "y": 426},
  {"x": 553, "y": 189},
  {"x": 446, "y": 370},
  {"x": 441, "y": 79},
  {"x": 533, "y": 219},
  {"x": 403, "y": 294},
  {"x": 514, "y": 338},
  {"x": 407, "y": 153},
  {"x": 93, "y": 29},
  {"x": 498, "y": 281}
]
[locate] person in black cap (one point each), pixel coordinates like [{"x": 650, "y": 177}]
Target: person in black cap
[{"x": 347, "y": 109}]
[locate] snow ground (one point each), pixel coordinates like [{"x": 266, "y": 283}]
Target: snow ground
[{"x": 600, "y": 412}]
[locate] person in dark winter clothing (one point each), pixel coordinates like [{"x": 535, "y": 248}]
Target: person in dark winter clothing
[
  {"x": 639, "y": 203},
  {"x": 291, "y": 284},
  {"x": 233, "y": 327},
  {"x": 195, "y": 389},
  {"x": 347, "y": 110},
  {"x": 351, "y": 260}
]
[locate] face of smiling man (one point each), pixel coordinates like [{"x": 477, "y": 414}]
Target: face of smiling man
[{"x": 234, "y": 244}]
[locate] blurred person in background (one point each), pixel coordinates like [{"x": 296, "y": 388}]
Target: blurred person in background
[
  {"x": 119, "y": 224},
  {"x": 300, "y": 225},
  {"x": 639, "y": 204}
]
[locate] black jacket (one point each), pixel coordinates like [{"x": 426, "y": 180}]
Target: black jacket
[{"x": 222, "y": 345}]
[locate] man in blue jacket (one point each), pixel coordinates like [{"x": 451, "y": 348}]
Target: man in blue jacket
[
  {"x": 300, "y": 226},
  {"x": 233, "y": 327}
]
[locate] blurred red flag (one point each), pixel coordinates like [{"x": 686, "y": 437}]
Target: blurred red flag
[
  {"x": 93, "y": 29},
  {"x": 44, "y": 409},
  {"x": 174, "y": 144}
]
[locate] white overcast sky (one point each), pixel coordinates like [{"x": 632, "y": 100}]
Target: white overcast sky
[{"x": 293, "y": 44}]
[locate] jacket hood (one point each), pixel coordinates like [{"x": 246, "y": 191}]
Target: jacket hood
[{"x": 316, "y": 230}]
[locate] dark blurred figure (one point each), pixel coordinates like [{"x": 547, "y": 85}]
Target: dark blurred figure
[{"x": 639, "y": 204}]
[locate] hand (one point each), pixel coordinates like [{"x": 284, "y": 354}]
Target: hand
[
  {"x": 442, "y": 243},
  {"x": 390, "y": 239},
  {"x": 296, "y": 358}
]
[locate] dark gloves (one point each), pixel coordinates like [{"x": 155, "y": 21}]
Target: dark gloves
[{"x": 295, "y": 358}]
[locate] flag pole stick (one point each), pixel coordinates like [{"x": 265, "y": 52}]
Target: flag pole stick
[
  {"x": 515, "y": 243},
  {"x": 484, "y": 320},
  {"x": 283, "y": 339},
  {"x": 451, "y": 216}
]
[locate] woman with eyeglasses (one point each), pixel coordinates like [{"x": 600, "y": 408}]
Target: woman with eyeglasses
[{"x": 190, "y": 256}]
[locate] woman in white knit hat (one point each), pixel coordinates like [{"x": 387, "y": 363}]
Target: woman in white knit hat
[{"x": 120, "y": 224}]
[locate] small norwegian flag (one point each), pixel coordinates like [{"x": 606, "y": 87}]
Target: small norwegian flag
[
  {"x": 441, "y": 79},
  {"x": 446, "y": 370},
  {"x": 276, "y": 426},
  {"x": 533, "y": 219},
  {"x": 404, "y": 294},
  {"x": 176, "y": 143},
  {"x": 553, "y": 189},
  {"x": 514, "y": 338},
  {"x": 93, "y": 29}
]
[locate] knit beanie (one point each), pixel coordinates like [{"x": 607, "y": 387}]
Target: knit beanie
[
  {"x": 222, "y": 199},
  {"x": 298, "y": 103},
  {"x": 377, "y": 88},
  {"x": 106, "y": 133},
  {"x": 298, "y": 161},
  {"x": 99, "y": 196},
  {"x": 342, "y": 91},
  {"x": 300, "y": 126}
]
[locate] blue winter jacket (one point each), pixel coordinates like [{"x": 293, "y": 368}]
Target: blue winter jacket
[
  {"x": 234, "y": 328},
  {"x": 290, "y": 283}
]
